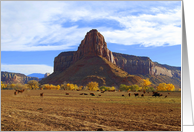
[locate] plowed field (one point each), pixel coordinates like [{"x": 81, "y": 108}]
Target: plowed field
[{"x": 111, "y": 111}]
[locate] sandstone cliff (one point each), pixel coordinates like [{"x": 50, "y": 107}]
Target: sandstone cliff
[
  {"x": 63, "y": 61},
  {"x": 129, "y": 63},
  {"x": 144, "y": 65},
  {"x": 92, "y": 68},
  {"x": 134, "y": 64},
  {"x": 93, "y": 61},
  {"x": 94, "y": 45},
  {"x": 8, "y": 77}
]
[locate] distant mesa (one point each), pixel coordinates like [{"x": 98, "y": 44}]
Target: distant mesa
[
  {"x": 93, "y": 61},
  {"x": 9, "y": 77},
  {"x": 46, "y": 75}
]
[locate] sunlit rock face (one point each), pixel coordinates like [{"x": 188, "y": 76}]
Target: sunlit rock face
[{"x": 93, "y": 45}]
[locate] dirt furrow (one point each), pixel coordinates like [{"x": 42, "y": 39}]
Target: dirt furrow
[{"x": 60, "y": 122}]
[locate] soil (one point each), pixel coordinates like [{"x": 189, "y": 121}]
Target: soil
[{"x": 111, "y": 111}]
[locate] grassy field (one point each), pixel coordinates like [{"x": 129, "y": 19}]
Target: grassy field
[{"x": 56, "y": 111}]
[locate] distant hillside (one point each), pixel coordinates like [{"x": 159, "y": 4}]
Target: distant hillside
[{"x": 9, "y": 77}]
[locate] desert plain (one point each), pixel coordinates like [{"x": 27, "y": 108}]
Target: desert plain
[{"x": 111, "y": 111}]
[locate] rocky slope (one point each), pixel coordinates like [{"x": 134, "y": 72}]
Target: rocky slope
[
  {"x": 94, "y": 45},
  {"x": 9, "y": 77},
  {"x": 91, "y": 62},
  {"x": 92, "y": 68}
]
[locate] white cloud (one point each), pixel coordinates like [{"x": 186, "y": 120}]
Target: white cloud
[
  {"x": 27, "y": 68},
  {"x": 37, "y": 26}
]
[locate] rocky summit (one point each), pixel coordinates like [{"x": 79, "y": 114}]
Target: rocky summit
[
  {"x": 93, "y": 45},
  {"x": 93, "y": 61}
]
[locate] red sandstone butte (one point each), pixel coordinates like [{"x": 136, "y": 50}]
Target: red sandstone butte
[{"x": 93, "y": 45}]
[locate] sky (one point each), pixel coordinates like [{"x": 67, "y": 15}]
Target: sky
[{"x": 33, "y": 33}]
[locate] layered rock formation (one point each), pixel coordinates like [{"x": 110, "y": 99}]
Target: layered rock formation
[
  {"x": 92, "y": 68},
  {"x": 135, "y": 65},
  {"x": 129, "y": 63},
  {"x": 63, "y": 61},
  {"x": 94, "y": 45},
  {"x": 144, "y": 65},
  {"x": 8, "y": 77}
]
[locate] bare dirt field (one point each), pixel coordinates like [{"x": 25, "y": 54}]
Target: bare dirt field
[{"x": 111, "y": 111}]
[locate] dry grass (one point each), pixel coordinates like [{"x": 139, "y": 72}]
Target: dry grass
[{"x": 57, "y": 111}]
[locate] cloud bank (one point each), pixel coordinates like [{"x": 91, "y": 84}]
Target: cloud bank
[
  {"x": 27, "y": 69},
  {"x": 60, "y": 25}
]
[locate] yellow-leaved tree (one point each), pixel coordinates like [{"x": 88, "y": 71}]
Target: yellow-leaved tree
[
  {"x": 170, "y": 87},
  {"x": 165, "y": 87},
  {"x": 80, "y": 87},
  {"x": 93, "y": 86},
  {"x": 3, "y": 85},
  {"x": 12, "y": 85},
  {"x": 69, "y": 86},
  {"x": 33, "y": 84},
  {"x": 58, "y": 87},
  {"x": 50, "y": 87},
  {"x": 161, "y": 87},
  {"x": 145, "y": 83},
  {"x": 112, "y": 88}
]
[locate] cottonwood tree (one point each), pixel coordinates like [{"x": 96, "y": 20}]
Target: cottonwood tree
[
  {"x": 145, "y": 83},
  {"x": 165, "y": 87},
  {"x": 93, "y": 86},
  {"x": 33, "y": 84},
  {"x": 170, "y": 87},
  {"x": 3, "y": 85}
]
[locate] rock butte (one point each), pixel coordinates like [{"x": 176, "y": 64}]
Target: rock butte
[
  {"x": 94, "y": 44},
  {"x": 93, "y": 61}
]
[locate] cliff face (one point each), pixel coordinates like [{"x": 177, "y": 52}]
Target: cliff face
[
  {"x": 94, "y": 44},
  {"x": 92, "y": 68},
  {"x": 170, "y": 71},
  {"x": 14, "y": 78},
  {"x": 134, "y": 65},
  {"x": 63, "y": 61}
]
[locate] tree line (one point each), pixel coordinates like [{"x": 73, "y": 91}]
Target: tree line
[{"x": 143, "y": 85}]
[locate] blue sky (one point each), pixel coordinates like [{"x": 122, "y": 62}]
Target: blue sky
[{"x": 34, "y": 32}]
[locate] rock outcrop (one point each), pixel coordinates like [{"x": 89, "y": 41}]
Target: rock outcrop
[
  {"x": 46, "y": 75},
  {"x": 92, "y": 68},
  {"x": 9, "y": 77},
  {"x": 144, "y": 65},
  {"x": 134, "y": 64},
  {"x": 94, "y": 45},
  {"x": 63, "y": 61}
]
